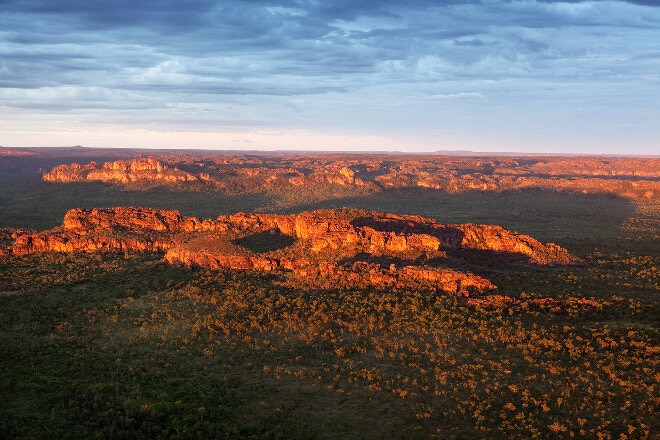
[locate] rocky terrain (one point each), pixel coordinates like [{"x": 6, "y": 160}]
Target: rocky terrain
[
  {"x": 637, "y": 178},
  {"x": 146, "y": 169},
  {"x": 326, "y": 247}
]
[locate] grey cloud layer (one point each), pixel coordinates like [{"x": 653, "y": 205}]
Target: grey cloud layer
[
  {"x": 204, "y": 55},
  {"x": 304, "y": 38}
]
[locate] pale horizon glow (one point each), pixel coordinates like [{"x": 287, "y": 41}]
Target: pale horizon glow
[
  {"x": 214, "y": 141},
  {"x": 532, "y": 76}
]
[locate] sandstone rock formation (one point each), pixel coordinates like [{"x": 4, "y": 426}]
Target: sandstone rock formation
[
  {"x": 146, "y": 169},
  {"x": 335, "y": 247},
  {"x": 130, "y": 218},
  {"x": 637, "y": 178}
]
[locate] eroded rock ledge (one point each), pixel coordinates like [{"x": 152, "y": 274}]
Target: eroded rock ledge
[
  {"x": 635, "y": 178},
  {"x": 143, "y": 169},
  {"x": 333, "y": 247}
]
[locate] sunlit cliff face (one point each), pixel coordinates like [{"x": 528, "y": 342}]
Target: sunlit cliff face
[
  {"x": 347, "y": 245},
  {"x": 628, "y": 177}
]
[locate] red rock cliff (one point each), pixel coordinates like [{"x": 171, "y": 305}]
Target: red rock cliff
[
  {"x": 146, "y": 169},
  {"x": 337, "y": 246}
]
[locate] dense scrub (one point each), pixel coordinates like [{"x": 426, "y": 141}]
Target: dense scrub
[{"x": 124, "y": 346}]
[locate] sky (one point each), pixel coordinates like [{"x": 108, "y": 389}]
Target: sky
[{"x": 538, "y": 76}]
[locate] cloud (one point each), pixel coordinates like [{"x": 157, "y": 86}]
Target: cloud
[
  {"x": 458, "y": 95},
  {"x": 324, "y": 64}
]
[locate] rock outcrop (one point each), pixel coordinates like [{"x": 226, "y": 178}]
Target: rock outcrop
[
  {"x": 36, "y": 242},
  {"x": 85, "y": 220},
  {"x": 345, "y": 174},
  {"x": 147, "y": 169},
  {"x": 335, "y": 247}
]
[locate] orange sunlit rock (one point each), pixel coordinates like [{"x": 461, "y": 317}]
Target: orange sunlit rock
[
  {"x": 335, "y": 247},
  {"x": 636, "y": 178}
]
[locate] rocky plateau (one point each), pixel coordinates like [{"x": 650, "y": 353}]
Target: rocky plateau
[
  {"x": 344, "y": 247},
  {"x": 120, "y": 171},
  {"x": 637, "y": 178}
]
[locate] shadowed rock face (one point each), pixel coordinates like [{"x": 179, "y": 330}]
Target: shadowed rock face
[{"x": 337, "y": 247}]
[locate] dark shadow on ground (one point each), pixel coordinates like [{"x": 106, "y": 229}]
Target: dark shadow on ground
[
  {"x": 485, "y": 261},
  {"x": 27, "y": 202},
  {"x": 266, "y": 241},
  {"x": 478, "y": 261}
]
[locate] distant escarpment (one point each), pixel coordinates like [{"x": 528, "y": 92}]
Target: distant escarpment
[
  {"x": 244, "y": 178},
  {"x": 146, "y": 169},
  {"x": 312, "y": 176},
  {"x": 329, "y": 247}
]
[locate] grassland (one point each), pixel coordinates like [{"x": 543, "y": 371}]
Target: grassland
[{"x": 124, "y": 346}]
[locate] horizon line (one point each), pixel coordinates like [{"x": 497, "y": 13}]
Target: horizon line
[{"x": 294, "y": 151}]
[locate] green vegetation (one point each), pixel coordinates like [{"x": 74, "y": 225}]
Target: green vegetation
[
  {"x": 125, "y": 346},
  {"x": 27, "y": 202}
]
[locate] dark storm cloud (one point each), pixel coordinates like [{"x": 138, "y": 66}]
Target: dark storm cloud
[
  {"x": 218, "y": 40},
  {"x": 110, "y": 13},
  {"x": 285, "y": 31}
]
